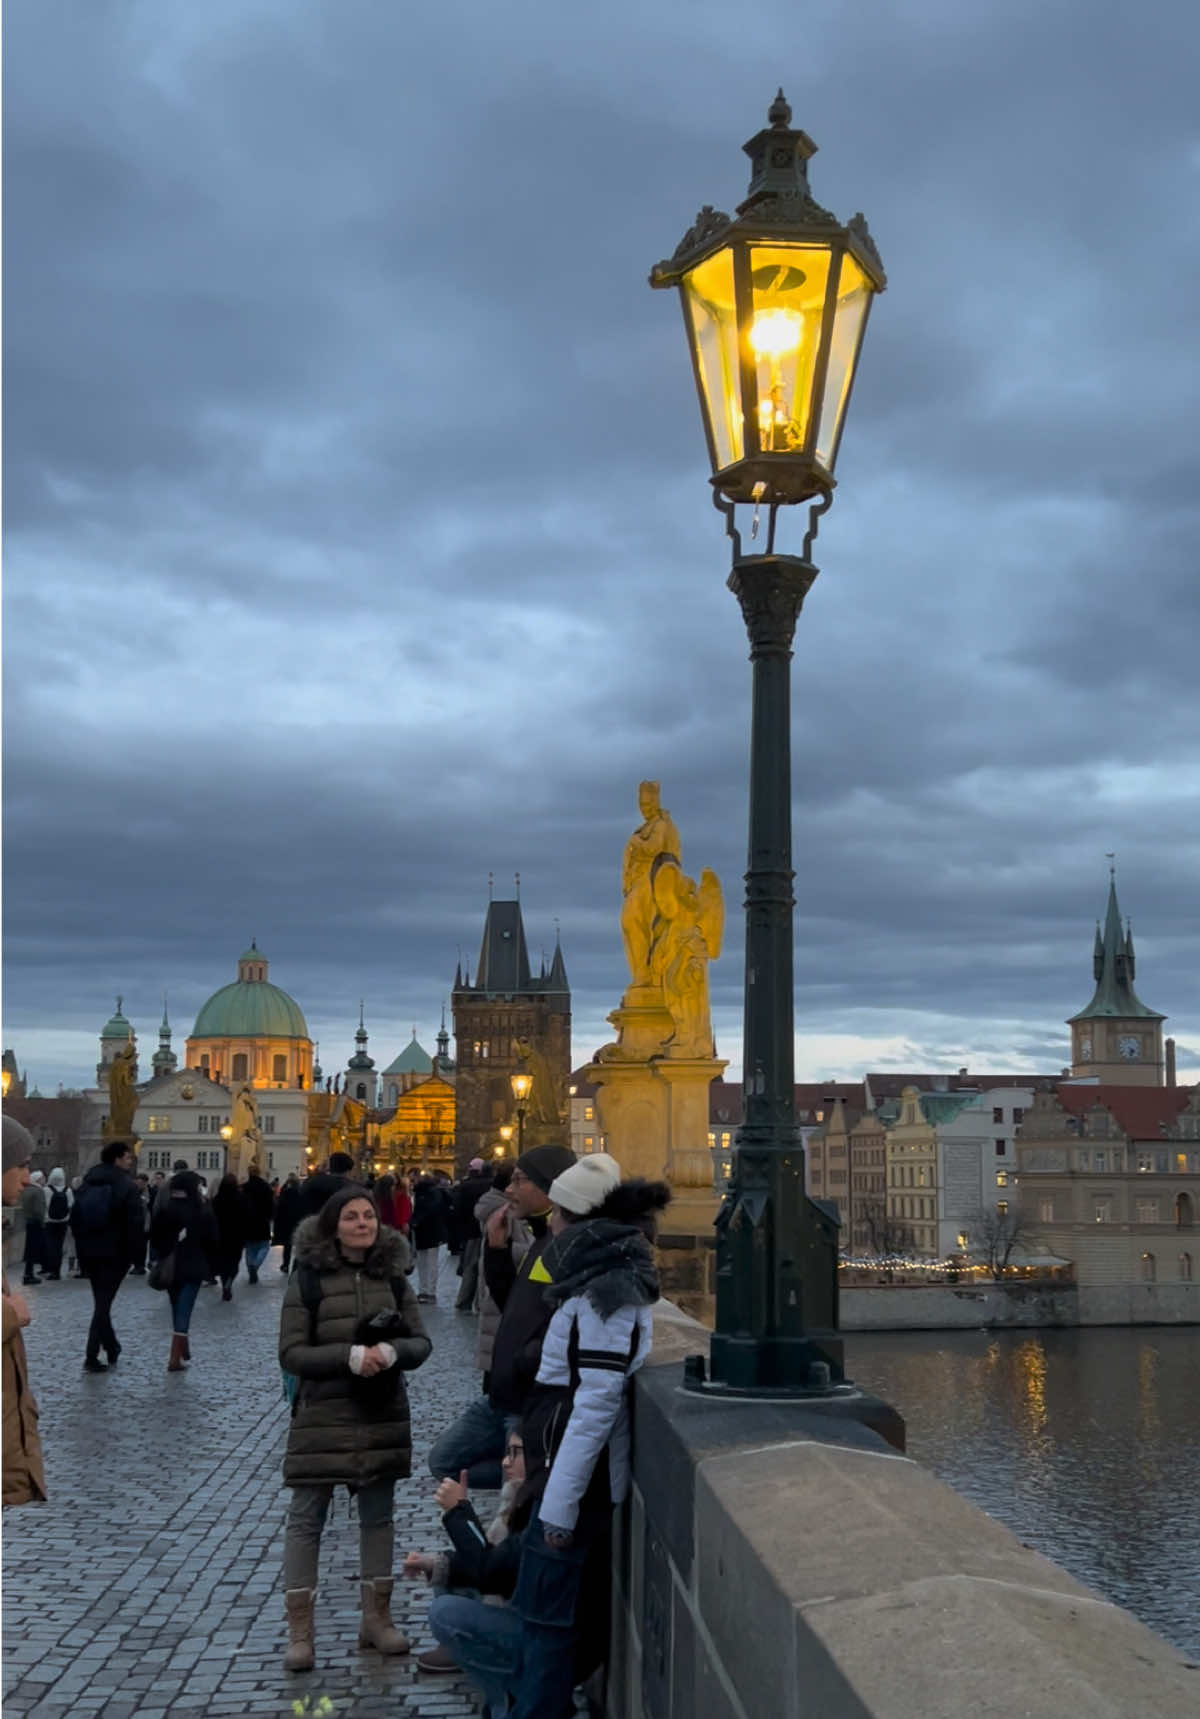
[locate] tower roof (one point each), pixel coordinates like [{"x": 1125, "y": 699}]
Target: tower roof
[
  {"x": 117, "y": 1027},
  {"x": 250, "y": 1008},
  {"x": 1114, "y": 965},
  {"x": 413, "y": 1059},
  {"x": 503, "y": 967}
]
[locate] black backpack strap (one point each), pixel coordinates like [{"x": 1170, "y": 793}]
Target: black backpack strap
[{"x": 310, "y": 1294}]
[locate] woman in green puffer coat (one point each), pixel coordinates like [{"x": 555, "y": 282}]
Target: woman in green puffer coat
[{"x": 349, "y": 1330}]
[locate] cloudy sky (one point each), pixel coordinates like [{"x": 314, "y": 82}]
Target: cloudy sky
[{"x": 357, "y": 532}]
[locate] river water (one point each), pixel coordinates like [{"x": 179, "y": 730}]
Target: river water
[{"x": 1086, "y": 1443}]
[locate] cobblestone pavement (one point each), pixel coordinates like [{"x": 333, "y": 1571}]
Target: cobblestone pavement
[{"x": 149, "y": 1583}]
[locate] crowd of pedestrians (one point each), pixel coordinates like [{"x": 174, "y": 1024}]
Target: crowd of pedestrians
[{"x": 554, "y": 1262}]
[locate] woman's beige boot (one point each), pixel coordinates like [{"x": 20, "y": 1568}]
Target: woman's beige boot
[
  {"x": 377, "y": 1629},
  {"x": 299, "y": 1656}
]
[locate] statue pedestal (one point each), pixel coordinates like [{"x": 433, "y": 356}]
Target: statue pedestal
[{"x": 654, "y": 1116}]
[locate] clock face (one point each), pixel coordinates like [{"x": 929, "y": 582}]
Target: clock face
[{"x": 1129, "y": 1048}]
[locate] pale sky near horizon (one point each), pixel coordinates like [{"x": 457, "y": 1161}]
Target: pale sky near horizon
[{"x": 357, "y": 534}]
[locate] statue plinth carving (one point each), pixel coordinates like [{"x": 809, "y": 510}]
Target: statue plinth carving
[{"x": 653, "y": 1081}]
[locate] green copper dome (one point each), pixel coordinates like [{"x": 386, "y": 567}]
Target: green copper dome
[
  {"x": 251, "y": 1007},
  {"x": 116, "y": 1027}
]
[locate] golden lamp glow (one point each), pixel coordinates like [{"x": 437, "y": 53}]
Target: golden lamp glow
[
  {"x": 6, "y": 1081},
  {"x": 227, "y": 1132},
  {"x": 505, "y": 1132},
  {"x": 522, "y": 1086},
  {"x": 773, "y": 333}
]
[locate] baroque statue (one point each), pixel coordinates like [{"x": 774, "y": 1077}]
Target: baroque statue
[
  {"x": 244, "y": 1137},
  {"x": 122, "y": 1092},
  {"x": 654, "y": 838},
  {"x": 546, "y": 1099},
  {"x": 672, "y": 928}
]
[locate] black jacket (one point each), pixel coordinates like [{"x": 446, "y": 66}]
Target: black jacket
[
  {"x": 288, "y": 1212},
  {"x": 118, "y": 1241},
  {"x": 525, "y": 1315},
  {"x": 315, "y": 1190},
  {"x": 429, "y": 1217},
  {"x": 258, "y": 1209},
  {"x": 475, "y": 1562},
  {"x": 196, "y": 1255},
  {"x": 467, "y": 1196}
]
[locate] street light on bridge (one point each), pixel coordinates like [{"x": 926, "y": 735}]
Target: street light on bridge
[
  {"x": 522, "y": 1086},
  {"x": 775, "y": 304}
]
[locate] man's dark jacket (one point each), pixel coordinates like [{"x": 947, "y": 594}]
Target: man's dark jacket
[
  {"x": 525, "y": 1315},
  {"x": 467, "y": 1195},
  {"x": 258, "y": 1209},
  {"x": 120, "y": 1239},
  {"x": 315, "y": 1190}
]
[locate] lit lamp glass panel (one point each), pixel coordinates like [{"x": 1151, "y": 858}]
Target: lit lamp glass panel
[
  {"x": 712, "y": 317},
  {"x": 787, "y": 288},
  {"x": 850, "y": 316}
]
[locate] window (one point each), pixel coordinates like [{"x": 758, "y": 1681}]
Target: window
[
  {"x": 239, "y": 1065},
  {"x": 158, "y": 1125},
  {"x": 1185, "y": 1267},
  {"x": 1083, "y": 1160},
  {"x": 279, "y": 1068},
  {"x": 589, "y": 1141},
  {"x": 1018, "y": 1113},
  {"x": 202, "y": 1124},
  {"x": 589, "y": 1113},
  {"x": 1161, "y": 1160},
  {"x": 268, "y": 1124},
  {"x": 712, "y": 1138},
  {"x": 1102, "y": 1210},
  {"x": 964, "y": 1239},
  {"x": 1002, "y": 1208},
  {"x": 1101, "y": 1162},
  {"x": 1001, "y": 1148},
  {"x": 1002, "y": 1178},
  {"x": 820, "y": 1116},
  {"x": 270, "y": 1160},
  {"x": 1147, "y": 1211},
  {"x": 1148, "y": 1271},
  {"x": 1046, "y": 1210},
  {"x": 725, "y": 1139},
  {"x": 998, "y": 1113},
  {"x": 1145, "y": 1163},
  {"x": 204, "y": 1062}
]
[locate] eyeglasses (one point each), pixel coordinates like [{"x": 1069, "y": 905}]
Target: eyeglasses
[{"x": 512, "y": 1451}]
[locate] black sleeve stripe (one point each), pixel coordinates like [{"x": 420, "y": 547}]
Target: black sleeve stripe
[{"x": 602, "y": 1360}]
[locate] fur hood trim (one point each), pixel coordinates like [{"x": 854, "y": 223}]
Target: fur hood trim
[{"x": 387, "y": 1259}]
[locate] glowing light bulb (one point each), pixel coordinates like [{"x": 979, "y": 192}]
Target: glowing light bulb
[{"x": 775, "y": 333}]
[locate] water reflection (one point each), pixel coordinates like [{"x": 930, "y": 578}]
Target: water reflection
[{"x": 1085, "y": 1443}]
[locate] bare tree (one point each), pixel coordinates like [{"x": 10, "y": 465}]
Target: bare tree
[
  {"x": 995, "y": 1234},
  {"x": 885, "y": 1234}
]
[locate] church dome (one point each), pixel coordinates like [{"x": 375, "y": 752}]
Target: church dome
[
  {"x": 251, "y": 1007},
  {"x": 117, "y": 1027}
]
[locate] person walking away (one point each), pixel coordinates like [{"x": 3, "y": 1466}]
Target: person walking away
[
  {"x": 287, "y": 1216},
  {"x": 33, "y": 1210},
  {"x": 428, "y": 1234},
  {"x": 603, "y": 1284},
  {"x": 395, "y": 1207},
  {"x": 138, "y": 1268},
  {"x": 315, "y": 1190},
  {"x": 187, "y": 1244},
  {"x": 229, "y": 1215},
  {"x": 58, "y": 1215},
  {"x": 466, "y": 1197},
  {"x": 106, "y": 1221},
  {"x": 349, "y": 1330},
  {"x": 258, "y": 1214},
  {"x": 74, "y": 1269},
  {"x": 24, "y": 1475}
]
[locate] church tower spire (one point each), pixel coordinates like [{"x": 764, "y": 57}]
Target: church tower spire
[
  {"x": 164, "y": 1061},
  {"x": 1116, "y": 1039}
]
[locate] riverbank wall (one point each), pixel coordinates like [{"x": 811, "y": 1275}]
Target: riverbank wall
[
  {"x": 961, "y": 1307},
  {"x": 769, "y": 1563}
]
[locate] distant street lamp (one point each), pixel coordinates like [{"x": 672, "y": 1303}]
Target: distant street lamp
[
  {"x": 522, "y": 1086},
  {"x": 775, "y": 304},
  {"x": 505, "y": 1132}
]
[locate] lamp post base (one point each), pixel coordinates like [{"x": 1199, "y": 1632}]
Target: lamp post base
[{"x": 826, "y": 1405}]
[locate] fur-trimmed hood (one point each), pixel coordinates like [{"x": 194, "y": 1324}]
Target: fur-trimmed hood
[{"x": 387, "y": 1259}]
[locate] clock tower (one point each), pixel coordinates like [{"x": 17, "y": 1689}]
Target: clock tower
[{"x": 1116, "y": 1039}]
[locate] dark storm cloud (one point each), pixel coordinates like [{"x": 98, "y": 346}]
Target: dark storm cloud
[{"x": 357, "y": 532}]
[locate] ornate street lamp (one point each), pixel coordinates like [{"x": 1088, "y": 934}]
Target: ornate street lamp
[
  {"x": 505, "y": 1132},
  {"x": 775, "y": 304},
  {"x": 522, "y": 1086}
]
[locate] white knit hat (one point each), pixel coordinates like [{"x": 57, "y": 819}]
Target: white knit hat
[{"x": 586, "y": 1185}]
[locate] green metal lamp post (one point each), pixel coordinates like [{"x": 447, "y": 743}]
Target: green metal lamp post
[{"x": 775, "y": 304}]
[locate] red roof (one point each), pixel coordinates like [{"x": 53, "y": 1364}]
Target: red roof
[{"x": 1141, "y": 1112}]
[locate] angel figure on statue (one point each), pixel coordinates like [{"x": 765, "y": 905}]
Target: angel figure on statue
[{"x": 688, "y": 926}]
